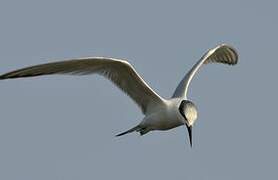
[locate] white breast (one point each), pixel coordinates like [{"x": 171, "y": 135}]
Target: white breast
[{"x": 166, "y": 118}]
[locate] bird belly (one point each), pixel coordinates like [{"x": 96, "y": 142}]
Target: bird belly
[{"x": 162, "y": 121}]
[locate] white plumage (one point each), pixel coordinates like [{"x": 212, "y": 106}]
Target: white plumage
[{"x": 161, "y": 114}]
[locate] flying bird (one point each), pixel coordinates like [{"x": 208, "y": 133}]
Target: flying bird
[{"x": 160, "y": 113}]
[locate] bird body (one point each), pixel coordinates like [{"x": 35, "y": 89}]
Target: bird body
[
  {"x": 160, "y": 113},
  {"x": 166, "y": 117}
]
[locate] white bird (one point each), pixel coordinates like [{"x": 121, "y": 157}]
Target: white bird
[{"x": 160, "y": 113}]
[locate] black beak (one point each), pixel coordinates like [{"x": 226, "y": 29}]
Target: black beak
[{"x": 189, "y": 128}]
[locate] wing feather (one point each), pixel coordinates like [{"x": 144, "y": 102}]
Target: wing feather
[
  {"x": 120, "y": 72},
  {"x": 223, "y": 53}
]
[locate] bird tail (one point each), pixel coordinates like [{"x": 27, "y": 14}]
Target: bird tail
[{"x": 136, "y": 128}]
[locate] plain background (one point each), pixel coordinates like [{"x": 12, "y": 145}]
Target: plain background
[{"x": 63, "y": 127}]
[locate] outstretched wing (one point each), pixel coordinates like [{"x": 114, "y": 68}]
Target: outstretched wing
[
  {"x": 221, "y": 54},
  {"x": 120, "y": 72}
]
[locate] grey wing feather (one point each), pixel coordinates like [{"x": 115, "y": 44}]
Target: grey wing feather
[
  {"x": 223, "y": 53},
  {"x": 120, "y": 72}
]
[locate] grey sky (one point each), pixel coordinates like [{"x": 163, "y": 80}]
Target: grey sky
[{"x": 63, "y": 127}]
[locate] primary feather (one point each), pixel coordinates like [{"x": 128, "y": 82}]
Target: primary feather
[
  {"x": 223, "y": 53},
  {"x": 120, "y": 72}
]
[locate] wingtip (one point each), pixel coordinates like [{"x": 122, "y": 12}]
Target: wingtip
[
  {"x": 2, "y": 77},
  {"x": 232, "y": 50}
]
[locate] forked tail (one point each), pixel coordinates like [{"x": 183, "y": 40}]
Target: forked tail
[{"x": 137, "y": 128}]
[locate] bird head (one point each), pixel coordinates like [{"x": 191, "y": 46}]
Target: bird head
[{"x": 189, "y": 112}]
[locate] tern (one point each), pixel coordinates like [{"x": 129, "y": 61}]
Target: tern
[{"x": 160, "y": 113}]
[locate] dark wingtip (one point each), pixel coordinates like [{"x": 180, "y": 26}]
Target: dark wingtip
[
  {"x": 6, "y": 76},
  {"x": 2, "y": 77}
]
